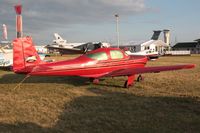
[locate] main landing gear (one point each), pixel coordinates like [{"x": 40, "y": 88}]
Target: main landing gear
[{"x": 128, "y": 83}]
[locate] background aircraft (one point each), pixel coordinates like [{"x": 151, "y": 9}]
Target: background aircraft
[
  {"x": 6, "y": 58},
  {"x": 151, "y": 55},
  {"x": 151, "y": 48},
  {"x": 63, "y": 43},
  {"x": 62, "y": 46},
  {"x": 102, "y": 62}
]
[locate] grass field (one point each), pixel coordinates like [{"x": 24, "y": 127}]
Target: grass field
[{"x": 164, "y": 102}]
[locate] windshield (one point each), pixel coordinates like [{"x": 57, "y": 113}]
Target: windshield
[
  {"x": 98, "y": 56},
  {"x": 116, "y": 54}
]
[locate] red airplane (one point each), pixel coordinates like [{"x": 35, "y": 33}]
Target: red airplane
[{"x": 103, "y": 62}]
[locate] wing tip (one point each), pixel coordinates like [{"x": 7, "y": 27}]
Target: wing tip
[{"x": 190, "y": 66}]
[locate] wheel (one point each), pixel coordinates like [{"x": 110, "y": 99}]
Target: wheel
[
  {"x": 140, "y": 78},
  {"x": 126, "y": 84}
]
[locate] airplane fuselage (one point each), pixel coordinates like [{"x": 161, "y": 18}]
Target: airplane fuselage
[
  {"x": 85, "y": 66},
  {"x": 89, "y": 68}
]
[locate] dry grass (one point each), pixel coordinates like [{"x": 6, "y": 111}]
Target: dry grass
[{"x": 164, "y": 102}]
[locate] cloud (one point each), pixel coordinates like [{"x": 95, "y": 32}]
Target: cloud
[
  {"x": 79, "y": 11},
  {"x": 44, "y": 15}
]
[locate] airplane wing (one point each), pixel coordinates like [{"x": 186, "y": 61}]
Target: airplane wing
[
  {"x": 156, "y": 69},
  {"x": 64, "y": 50}
]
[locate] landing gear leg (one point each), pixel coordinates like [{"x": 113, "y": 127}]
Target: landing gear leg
[{"x": 129, "y": 82}]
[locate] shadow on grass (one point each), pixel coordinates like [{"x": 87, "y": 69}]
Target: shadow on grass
[
  {"x": 121, "y": 112},
  {"x": 7, "y": 69},
  {"x": 16, "y": 78},
  {"x": 76, "y": 81}
]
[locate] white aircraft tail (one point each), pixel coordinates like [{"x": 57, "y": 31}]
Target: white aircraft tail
[{"x": 58, "y": 39}]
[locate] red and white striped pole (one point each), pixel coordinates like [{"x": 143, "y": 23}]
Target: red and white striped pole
[{"x": 18, "y": 10}]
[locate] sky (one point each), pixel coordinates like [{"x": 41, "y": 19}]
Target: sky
[{"x": 93, "y": 20}]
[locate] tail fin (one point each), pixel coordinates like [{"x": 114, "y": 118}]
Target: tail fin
[
  {"x": 58, "y": 39},
  {"x": 156, "y": 34},
  {"x": 25, "y": 56},
  {"x": 57, "y": 36}
]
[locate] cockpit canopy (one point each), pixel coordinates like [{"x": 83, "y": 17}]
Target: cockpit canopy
[{"x": 112, "y": 54}]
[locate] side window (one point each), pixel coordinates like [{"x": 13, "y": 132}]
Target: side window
[
  {"x": 98, "y": 56},
  {"x": 116, "y": 54}
]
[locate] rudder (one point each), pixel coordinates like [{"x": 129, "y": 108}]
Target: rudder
[{"x": 25, "y": 55}]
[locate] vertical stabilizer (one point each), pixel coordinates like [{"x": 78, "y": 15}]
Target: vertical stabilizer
[
  {"x": 25, "y": 55},
  {"x": 156, "y": 34},
  {"x": 57, "y": 36},
  {"x": 59, "y": 40}
]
